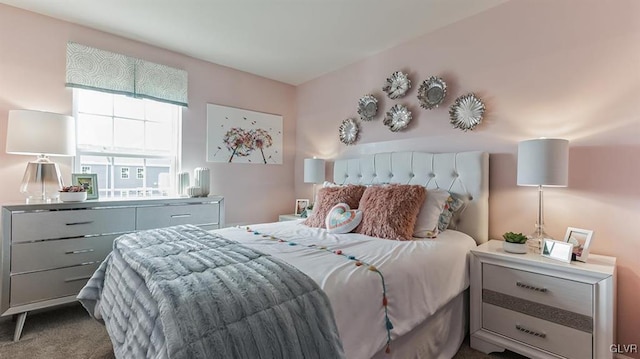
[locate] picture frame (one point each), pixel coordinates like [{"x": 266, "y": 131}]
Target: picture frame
[
  {"x": 581, "y": 239},
  {"x": 558, "y": 250},
  {"x": 301, "y": 205},
  {"x": 89, "y": 181}
]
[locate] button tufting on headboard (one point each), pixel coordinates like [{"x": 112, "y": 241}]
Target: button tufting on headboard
[{"x": 465, "y": 173}]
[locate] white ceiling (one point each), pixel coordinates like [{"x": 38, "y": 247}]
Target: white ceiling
[{"x": 292, "y": 41}]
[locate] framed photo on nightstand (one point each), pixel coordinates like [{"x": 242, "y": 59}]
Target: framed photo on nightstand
[
  {"x": 301, "y": 205},
  {"x": 581, "y": 239}
]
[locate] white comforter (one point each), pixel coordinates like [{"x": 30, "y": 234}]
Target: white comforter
[{"x": 420, "y": 276}]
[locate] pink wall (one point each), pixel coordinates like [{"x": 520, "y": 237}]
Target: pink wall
[
  {"x": 567, "y": 69},
  {"x": 32, "y": 76}
]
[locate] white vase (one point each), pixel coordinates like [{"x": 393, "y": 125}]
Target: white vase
[
  {"x": 183, "y": 183},
  {"x": 202, "y": 180},
  {"x": 194, "y": 191},
  {"x": 518, "y": 248}
]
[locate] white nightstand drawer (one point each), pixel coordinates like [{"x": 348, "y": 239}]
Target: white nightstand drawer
[
  {"x": 33, "y": 226},
  {"x": 555, "y": 292},
  {"x": 158, "y": 217},
  {"x": 558, "y": 339},
  {"x": 57, "y": 283},
  {"x": 28, "y": 257}
]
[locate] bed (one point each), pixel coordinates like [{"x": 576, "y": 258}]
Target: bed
[{"x": 389, "y": 299}]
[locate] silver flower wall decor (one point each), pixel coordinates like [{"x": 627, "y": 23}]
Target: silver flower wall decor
[
  {"x": 348, "y": 131},
  {"x": 467, "y": 112},
  {"x": 367, "y": 107},
  {"x": 432, "y": 92},
  {"x": 397, "y": 85},
  {"x": 397, "y": 118}
]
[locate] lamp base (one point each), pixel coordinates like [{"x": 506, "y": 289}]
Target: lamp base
[
  {"x": 42, "y": 181},
  {"x": 535, "y": 240}
]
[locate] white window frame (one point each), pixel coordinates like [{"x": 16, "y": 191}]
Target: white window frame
[{"x": 175, "y": 159}]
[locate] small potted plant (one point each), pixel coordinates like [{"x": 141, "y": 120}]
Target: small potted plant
[
  {"x": 73, "y": 194},
  {"x": 514, "y": 243}
]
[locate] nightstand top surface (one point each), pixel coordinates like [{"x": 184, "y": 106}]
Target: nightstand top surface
[{"x": 595, "y": 263}]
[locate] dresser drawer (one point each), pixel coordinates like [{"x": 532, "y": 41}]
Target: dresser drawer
[
  {"x": 34, "y": 256},
  {"x": 27, "y": 227},
  {"x": 165, "y": 216},
  {"x": 558, "y": 339},
  {"x": 57, "y": 283},
  {"x": 564, "y": 294}
]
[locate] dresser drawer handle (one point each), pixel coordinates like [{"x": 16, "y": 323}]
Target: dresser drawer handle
[
  {"x": 75, "y": 279},
  {"x": 531, "y": 332},
  {"x": 79, "y": 251},
  {"x": 79, "y": 223},
  {"x": 181, "y": 215},
  {"x": 526, "y": 286}
]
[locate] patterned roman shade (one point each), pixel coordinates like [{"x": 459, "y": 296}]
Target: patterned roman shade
[{"x": 100, "y": 70}]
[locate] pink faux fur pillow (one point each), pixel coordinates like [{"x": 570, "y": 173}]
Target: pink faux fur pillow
[
  {"x": 329, "y": 197},
  {"x": 390, "y": 211}
]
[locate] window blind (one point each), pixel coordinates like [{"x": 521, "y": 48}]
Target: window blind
[{"x": 100, "y": 70}]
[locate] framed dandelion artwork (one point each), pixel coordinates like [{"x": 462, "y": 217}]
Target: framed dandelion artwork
[{"x": 241, "y": 136}]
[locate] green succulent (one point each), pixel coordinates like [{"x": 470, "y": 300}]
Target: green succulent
[{"x": 512, "y": 237}]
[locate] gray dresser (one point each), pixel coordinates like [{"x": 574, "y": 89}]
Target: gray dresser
[{"x": 49, "y": 251}]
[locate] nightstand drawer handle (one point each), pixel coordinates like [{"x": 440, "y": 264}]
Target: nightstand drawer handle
[
  {"x": 531, "y": 332},
  {"x": 181, "y": 215},
  {"x": 75, "y": 279},
  {"x": 526, "y": 286},
  {"x": 78, "y": 251},
  {"x": 79, "y": 223}
]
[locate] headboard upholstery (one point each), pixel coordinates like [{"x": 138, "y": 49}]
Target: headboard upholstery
[{"x": 465, "y": 173}]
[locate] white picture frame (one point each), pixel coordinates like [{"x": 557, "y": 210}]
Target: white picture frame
[
  {"x": 301, "y": 205},
  {"x": 557, "y": 250},
  {"x": 581, "y": 240}
]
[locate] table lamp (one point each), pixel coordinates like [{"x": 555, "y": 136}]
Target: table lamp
[
  {"x": 542, "y": 162},
  {"x": 314, "y": 172},
  {"x": 41, "y": 134}
]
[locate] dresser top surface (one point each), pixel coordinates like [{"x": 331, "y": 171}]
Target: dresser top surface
[
  {"x": 596, "y": 263},
  {"x": 112, "y": 202}
]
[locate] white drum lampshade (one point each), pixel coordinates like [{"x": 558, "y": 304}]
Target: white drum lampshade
[
  {"x": 41, "y": 134},
  {"x": 313, "y": 170}
]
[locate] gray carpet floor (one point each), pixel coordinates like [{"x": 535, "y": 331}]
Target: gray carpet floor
[{"x": 68, "y": 332}]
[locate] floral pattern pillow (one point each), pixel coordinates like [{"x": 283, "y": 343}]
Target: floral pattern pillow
[{"x": 454, "y": 204}]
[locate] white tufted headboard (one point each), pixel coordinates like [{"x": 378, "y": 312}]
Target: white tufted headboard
[{"x": 465, "y": 173}]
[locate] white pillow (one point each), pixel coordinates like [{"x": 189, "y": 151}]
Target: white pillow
[
  {"x": 342, "y": 219},
  {"x": 427, "y": 222}
]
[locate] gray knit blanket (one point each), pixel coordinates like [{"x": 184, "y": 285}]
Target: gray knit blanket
[{"x": 182, "y": 292}]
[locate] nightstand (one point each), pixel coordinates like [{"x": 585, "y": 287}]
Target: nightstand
[
  {"x": 288, "y": 217},
  {"x": 539, "y": 307}
]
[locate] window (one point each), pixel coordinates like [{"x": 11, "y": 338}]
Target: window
[
  {"x": 85, "y": 169},
  {"x": 116, "y": 133}
]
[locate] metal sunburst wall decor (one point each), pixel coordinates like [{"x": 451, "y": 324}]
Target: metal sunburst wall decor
[
  {"x": 367, "y": 107},
  {"x": 467, "y": 112},
  {"x": 432, "y": 92},
  {"x": 348, "y": 131},
  {"x": 397, "y": 118},
  {"x": 397, "y": 85}
]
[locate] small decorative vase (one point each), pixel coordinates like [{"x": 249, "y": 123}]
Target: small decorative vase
[
  {"x": 202, "y": 180},
  {"x": 194, "y": 191},
  {"x": 73, "y": 196},
  {"x": 183, "y": 183},
  {"x": 518, "y": 248}
]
